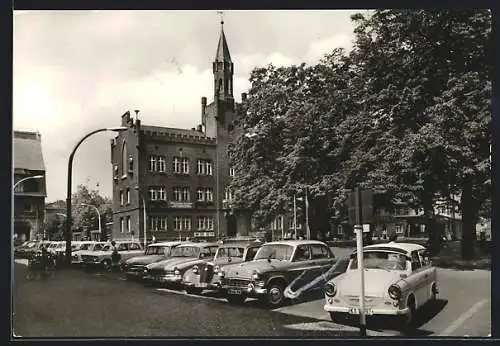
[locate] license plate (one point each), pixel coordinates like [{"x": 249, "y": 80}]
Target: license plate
[
  {"x": 355, "y": 311},
  {"x": 233, "y": 291}
]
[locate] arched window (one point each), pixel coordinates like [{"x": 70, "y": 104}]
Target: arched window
[
  {"x": 124, "y": 159},
  {"x": 220, "y": 85}
]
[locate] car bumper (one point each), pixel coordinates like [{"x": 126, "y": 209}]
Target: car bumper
[
  {"x": 368, "y": 311},
  {"x": 245, "y": 291},
  {"x": 168, "y": 278}
]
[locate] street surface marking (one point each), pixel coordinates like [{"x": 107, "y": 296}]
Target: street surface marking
[
  {"x": 190, "y": 295},
  {"x": 464, "y": 317},
  {"x": 332, "y": 327}
]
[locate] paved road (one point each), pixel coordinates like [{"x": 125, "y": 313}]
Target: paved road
[{"x": 76, "y": 303}]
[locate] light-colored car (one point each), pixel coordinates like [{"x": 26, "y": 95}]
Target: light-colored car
[
  {"x": 183, "y": 257},
  {"x": 204, "y": 275},
  {"x": 273, "y": 268},
  {"x": 102, "y": 258},
  {"x": 134, "y": 267},
  {"x": 56, "y": 247},
  {"x": 85, "y": 248},
  {"x": 399, "y": 279}
]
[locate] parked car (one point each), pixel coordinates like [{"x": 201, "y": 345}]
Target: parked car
[
  {"x": 22, "y": 250},
  {"x": 134, "y": 267},
  {"x": 399, "y": 279},
  {"x": 183, "y": 257},
  {"x": 274, "y": 267},
  {"x": 204, "y": 275},
  {"x": 86, "y": 248},
  {"x": 102, "y": 258},
  {"x": 31, "y": 251}
]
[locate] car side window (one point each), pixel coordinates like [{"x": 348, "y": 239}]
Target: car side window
[
  {"x": 424, "y": 258},
  {"x": 122, "y": 247},
  {"x": 166, "y": 250},
  {"x": 134, "y": 246},
  {"x": 319, "y": 251},
  {"x": 302, "y": 253},
  {"x": 213, "y": 250},
  {"x": 251, "y": 253},
  {"x": 415, "y": 261}
]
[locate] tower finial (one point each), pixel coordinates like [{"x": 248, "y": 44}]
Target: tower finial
[{"x": 221, "y": 13}]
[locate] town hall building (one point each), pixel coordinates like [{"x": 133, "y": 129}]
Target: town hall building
[{"x": 171, "y": 183}]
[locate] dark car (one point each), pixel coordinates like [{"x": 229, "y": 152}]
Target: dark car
[
  {"x": 170, "y": 271},
  {"x": 274, "y": 267},
  {"x": 205, "y": 275},
  {"x": 134, "y": 267}
]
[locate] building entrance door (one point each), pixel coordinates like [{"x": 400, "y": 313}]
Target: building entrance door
[{"x": 231, "y": 225}]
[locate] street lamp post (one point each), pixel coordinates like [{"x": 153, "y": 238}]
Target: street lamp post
[
  {"x": 98, "y": 217},
  {"x": 27, "y": 178},
  {"x": 68, "y": 196},
  {"x": 141, "y": 196}
]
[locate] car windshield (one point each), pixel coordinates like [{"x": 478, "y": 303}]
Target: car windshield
[
  {"x": 85, "y": 246},
  {"x": 156, "y": 250},
  {"x": 278, "y": 251},
  {"x": 30, "y": 245},
  {"x": 230, "y": 252},
  {"x": 186, "y": 251},
  {"x": 53, "y": 245},
  {"x": 381, "y": 260},
  {"x": 104, "y": 248}
]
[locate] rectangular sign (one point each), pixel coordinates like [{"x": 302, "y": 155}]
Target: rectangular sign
[{"x": 183, "y": 205}]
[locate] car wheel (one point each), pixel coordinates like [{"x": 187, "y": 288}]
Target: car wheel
[
  {"x": 193, "y": 290},
  {"x": 408, "y": 320},
  {"x": 106, "y": 265},
  {"x": 235, "y": 300},
  {"x": 275, "y": 295}
]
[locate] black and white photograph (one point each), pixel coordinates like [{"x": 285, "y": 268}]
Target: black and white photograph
[{"x": 280, "y": 174}]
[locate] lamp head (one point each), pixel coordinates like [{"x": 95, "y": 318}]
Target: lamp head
[
  {"x": 117, "y": 128},
  {"x": 40, "y": 176}
]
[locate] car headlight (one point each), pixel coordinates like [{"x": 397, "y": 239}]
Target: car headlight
[
  {"x": 394, "y": 292},
  {"x": 221, "y": 273},
  {"x": 195, "y": 269},
  {"x": 177, "y": 271},
  {"x": 216, "y": 269},
  {"x": 145, "y": 271},
  {"x": 255, "y": 276},
  {"x": 330, "y": 289}
]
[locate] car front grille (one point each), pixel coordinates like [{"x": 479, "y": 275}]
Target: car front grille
[
  {"x": 238, "y": 283},
  {"x": 156, "y": 272},
  {"x": 88, "y": 258},
  {"x": 353, "y": 301},
  {"x": 136, "y": 268}
]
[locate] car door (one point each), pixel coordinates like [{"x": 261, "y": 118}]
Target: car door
[
  {"x": 417, "y": 278},
  {"x": 430, "y": 275},
  {"x": 301, "y": 263},
  {"x": 133, "y": 250}
]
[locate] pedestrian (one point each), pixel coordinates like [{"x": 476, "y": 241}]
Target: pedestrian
[{"x": 115, "y": 256}]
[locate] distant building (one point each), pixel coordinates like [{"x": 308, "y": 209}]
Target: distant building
[
  {"x": 55, "y": 210},
  {"x": 180, "y": 176},
  {"x": 29, "y": 196}
]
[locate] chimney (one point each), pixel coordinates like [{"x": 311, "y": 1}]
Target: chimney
[
  {"x": 200, "y": 128},
  {"x": 243, "y": 97},
  {"x": 126, "y": 118},
  {"x": 203, "y": 105},
  {"x": 193, "y": 128}
]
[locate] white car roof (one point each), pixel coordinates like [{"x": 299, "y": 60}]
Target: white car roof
[
  {"x": 166, "y": 243},
  {"x": 295, "y": 242},
  {"x": 407, "y": 247}
]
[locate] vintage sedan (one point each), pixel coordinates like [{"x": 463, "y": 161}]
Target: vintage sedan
[
  {"x": 102, "y": 259},
  {"x": 273, "y": 268},
  {"x": 205, "y": 274},
  {"x": 170, "y": 271},
  {"x": 399, "y": 279},
  {"x": 134, "y": 267},
  {"x": 86, "y": 248}
]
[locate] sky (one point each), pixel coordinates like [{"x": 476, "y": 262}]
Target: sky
[{"x": 76, "y": 71}]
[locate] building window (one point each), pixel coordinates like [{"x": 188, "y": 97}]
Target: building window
[
  {"x": 186, "y": 223},
  {"x": 152, "y": 163},
  {"x": 177, "y": 223},
  {"x": 124, "y": 159},
  {"x": 185, "y": 166},
  {"x": 130, "y": 165},
  {"x": 129, "y": 229},
  {"x": 231, "y": 171},
  {"x": 158, "y": 223},
  {"x": 122, "y": 224},
  {"x": 340, "y": 230},
  {"x": 28, "y": 207},
  {"x": 152, "y": 194},
  {"x": 161, "y": 194},
  {"x": 200, "y": 195},
  {"x": 128, "y": 196},
  {"x": 209, "y": 194},
  {"x": 299, "y": 226},
  {"x": 177, "y": 194},
  {"x": 204, "y": 167},
  {"x": 186, "y": 194},
  {"x": 177, "y": 165},
  {"x": 399, "y": 229},
  {"x": 161, "y": 164},
  {"x": 121, "y": 197},
  {"x": 228, "y": 194},
  {"x": 205, "y": 223},
  {"x": 277, "y": 223}
]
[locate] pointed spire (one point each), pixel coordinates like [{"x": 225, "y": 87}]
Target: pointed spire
[{"x": 222, "y": 48}]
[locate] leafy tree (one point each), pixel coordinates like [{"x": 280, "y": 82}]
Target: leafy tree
[{"x": 85, "y": 217}]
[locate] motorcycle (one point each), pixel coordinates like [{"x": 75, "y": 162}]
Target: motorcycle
[{"x": 40, "y": 266}]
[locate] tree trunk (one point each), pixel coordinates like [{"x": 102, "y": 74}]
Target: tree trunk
[
  {"x": 469, "y": 210},
  {"x": 430, "y": 226},
  {"x": 318, "y": 219}
]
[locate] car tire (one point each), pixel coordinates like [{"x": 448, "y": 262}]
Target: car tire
[
  {"x": 106, "y": 265},
  {"x": 275, "y": 296},
  {"x": 194, "y": 290},
  {"x": 235, "y": 300},
  {"x": 408, "y": 320}
]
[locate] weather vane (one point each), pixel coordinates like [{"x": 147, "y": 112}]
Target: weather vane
[{"x": 221, "y": 16}]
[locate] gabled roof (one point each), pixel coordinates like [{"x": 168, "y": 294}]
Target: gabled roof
[
  {"x": 222, "y": 53},
  {"x": 27, "y": 148}
]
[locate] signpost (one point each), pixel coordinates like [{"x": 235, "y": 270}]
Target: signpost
[{"x": 360, "y": 210}]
